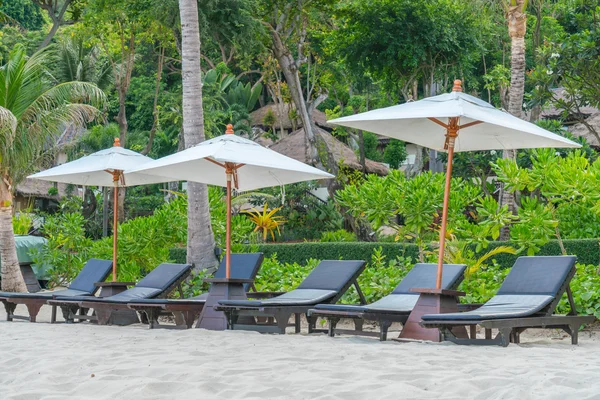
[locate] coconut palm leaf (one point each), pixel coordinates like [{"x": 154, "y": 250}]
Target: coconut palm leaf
[{"x": 36, "y": 111}]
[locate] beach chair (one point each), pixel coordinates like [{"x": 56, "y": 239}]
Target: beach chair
[
  {"x": 157, "y": 284},
  {"x": 327, "y": 283},
  {"x": 83, "y": 285},
  {"x": 243, "y": 266},
  {"x": 526, "y": 299},
  {"x": 394, "y": 307}
]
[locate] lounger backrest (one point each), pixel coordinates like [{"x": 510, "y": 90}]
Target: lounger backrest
[
  {"x": 425, "y": 275},
  {"x": 164, "y": 276},
  {"x": 333, "y": 275},
  {"x": 243, "y": 266},
  {"x": 93, "y": 271},
  {"x": 539, "y": 275}
]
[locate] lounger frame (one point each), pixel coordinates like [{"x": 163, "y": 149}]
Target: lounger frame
[
  {"x": 278, "y": 317},
  {"x": 34, "y": 304},
  {"x": 510, "y": 329},
  {"x": 384, "y": 319},
  {"x": 185, "y": 313},
  {"x": 78, "y": 310},
  {"x": 33, "y": 308}
]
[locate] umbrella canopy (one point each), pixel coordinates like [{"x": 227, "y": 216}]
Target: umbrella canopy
[
  {"x": 97, "y": 169},
  {"x": 204, "y": 163},
  {"x": 103, "y": 168},
  {"x": 453, "y": 122},
  {"x": 492, "y": 129},
  {"x": 227, "y": 160}
]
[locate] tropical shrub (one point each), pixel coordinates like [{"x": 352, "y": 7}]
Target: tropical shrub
[
  {"x": 586, "y": 291},
  {"x": 266, "y": 221},
  {"x": 22, "y": 223},
  {"x": 67, "y": 248},
  {"x": 341, "y": 235},
  {"x": 144, "y": 243}
]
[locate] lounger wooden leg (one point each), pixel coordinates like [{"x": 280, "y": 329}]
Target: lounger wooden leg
[
  {"x": 473, "y": 331},
  {"x": 33, "y": 309},
  {"x": 505, "y": 335},
  {"x": 53, "y": 318},
  {"x": 358, "y": 324},
  {"x": 312, "y": 323},
  {"x": 488, "y": 334},
  {"x": 231, "y": 319},
  {"x": 10, "y": 309},
  {"x": 103, "y": 315},
  {"x": 574, "y": 333},
  {"x": 282, "y": 319},
  {"x": 332, "y": 324},
  {"x": 297, "y": 322},
  {"x": 68, "y": 313},
  {"x": 383, "y": 330},
  {"x": 152, "y": 317},
  {"x": 189, "y": 317}
]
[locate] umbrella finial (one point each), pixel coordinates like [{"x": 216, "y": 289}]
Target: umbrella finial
[
  {"x": 229, "y": 130},
  {"x": 117, "y": 142},
  {"x": 457, "y": 86}
]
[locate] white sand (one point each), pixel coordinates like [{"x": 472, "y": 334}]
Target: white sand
[{"x": 84, "y": 361}]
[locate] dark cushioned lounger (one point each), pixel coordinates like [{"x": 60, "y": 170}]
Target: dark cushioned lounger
[
  {"x": 394, "y": 307},
  {"x": 243, "y": 266},
  {"x": 83, "y": 285},
  {"x": 158, "y": 283},
  {"x": 327, "y": 283},
  {"x": 526, "y": 299}
]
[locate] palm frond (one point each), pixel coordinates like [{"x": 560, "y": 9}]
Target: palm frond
[{"x": 69, "y": 92}]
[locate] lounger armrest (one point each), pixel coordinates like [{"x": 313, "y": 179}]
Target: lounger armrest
[{"x": 263, "y": 295}]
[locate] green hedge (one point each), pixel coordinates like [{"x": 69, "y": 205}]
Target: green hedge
[{"x": 586, "y": 250}]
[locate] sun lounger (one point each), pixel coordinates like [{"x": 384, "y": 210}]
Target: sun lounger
[
  {"x": 394, "y": 307},
  {"x": 526, "y": 299},
  {"x": 83, "y": 285},
  {"x": 158, "y": 283},
  {"x": 327, "y": 283},
  {"x": 243, "y": 266}
]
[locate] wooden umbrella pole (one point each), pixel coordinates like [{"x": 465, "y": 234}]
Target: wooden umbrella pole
[
  {"x": 229, "y": 172},
  {"x": 451, "y": 134},
  {"x": 116, "y": 176}
]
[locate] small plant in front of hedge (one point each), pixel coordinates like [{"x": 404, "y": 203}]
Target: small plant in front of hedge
[
  {"x": 341, "y": 235},
  {"x": 483, "y": 284},
  {"x": 275, "y": 276},
  {"x": 585, "y": 286}
]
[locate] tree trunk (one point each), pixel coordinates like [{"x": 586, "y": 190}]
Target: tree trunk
[
  {"x": 122, "y": 116},
  {"x": 201, "y": 241},
  {"x": 361, "y": 149},
  {"x": 292, "y": 77},
  {"x": 517, "y": 25},
  {"x": 12, "y": 279},
  {"x": 57, "y": 21}
]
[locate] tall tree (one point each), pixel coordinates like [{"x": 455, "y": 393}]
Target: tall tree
[
  {"x": 201, "y": 240},
  {"x": 57, "y": 11},
  {"x": 32, "y": 110},
  {"x": 516, "y": 17},
  {"x": 287, "y": 23}
]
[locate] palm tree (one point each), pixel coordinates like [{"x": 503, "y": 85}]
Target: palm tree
[
  {"x": 201, "y": 240},
  {"x": 516, "y": 17},
  {"x": 32, "y": 109},
  {"x": 76, "y": 61}
]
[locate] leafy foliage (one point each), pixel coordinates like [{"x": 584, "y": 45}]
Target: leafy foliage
[
  {"x": 341, "y": 235},
  {"x": 266, "y": 221}
]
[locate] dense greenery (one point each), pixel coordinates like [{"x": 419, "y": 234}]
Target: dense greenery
[
  {"x": 344, "y": 57},
  {"x": 586, "y": 250}
]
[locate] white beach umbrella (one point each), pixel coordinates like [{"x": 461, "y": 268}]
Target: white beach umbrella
[
  {"x": 453, "y": 122},
  {"x": 247, "y": 165},
  {"x": 103, "y": 168}
]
